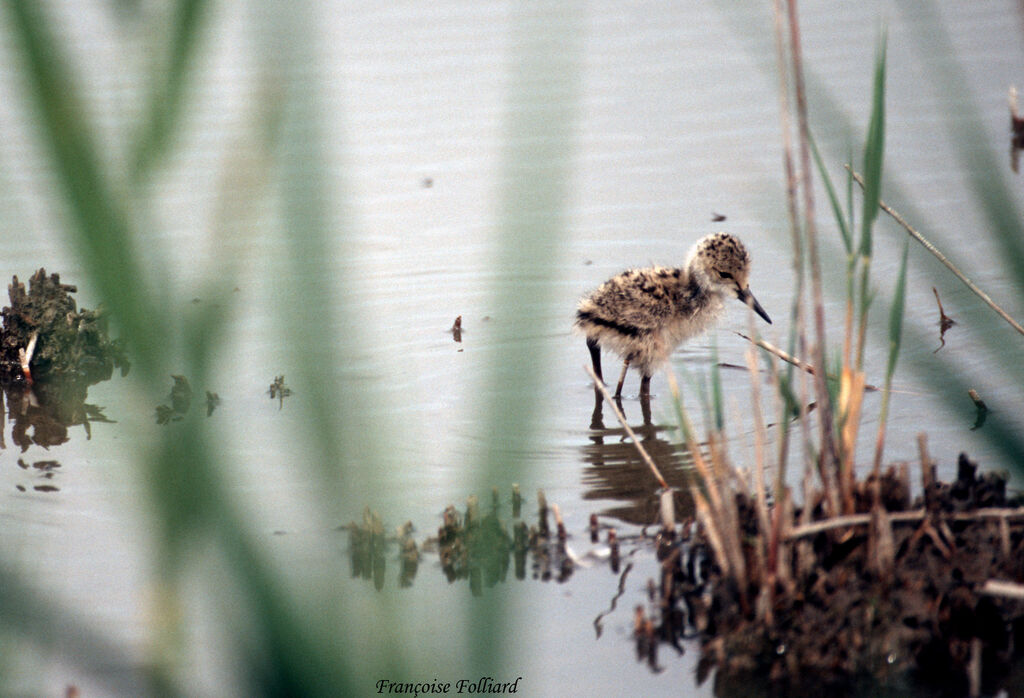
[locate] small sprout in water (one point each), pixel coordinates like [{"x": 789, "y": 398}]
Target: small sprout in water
[
  {"x": 212, "y": 401},
  {"x": 945, "y": 322},
  {"x": 181, "y": 395},
  {"x": 980, "y": 406},
  {"x": 279, "y": 390}
]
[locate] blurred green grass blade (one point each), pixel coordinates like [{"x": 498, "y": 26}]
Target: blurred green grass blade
[
  {"x": 540, "y": 107},
  {"x": 717, "y": 400},
  {"x": 315, "y": 304},
  {"x": 874, "y": 150},
  {"x": 168, "y": 84},
  {"x": 102, "y": 234},
  {"x": 850, "y": 210},
  {"x": 896, "y": 315},
  {"x": 833, "y": 198},
  {"x": 30, "y": 614},
  {"x": 895, "y": 334}
]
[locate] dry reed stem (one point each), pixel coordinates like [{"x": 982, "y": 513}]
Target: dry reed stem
[
  {"x": 668, "y": 509},
  {"x": 799, "y": 363},
  {"x": 781, "y": 554},
  {"x": 942, "y": 258},
  {"x": 725, "y": 518},
  {"x": 775, "y": 351},
  {"x": 599, "y": 385},
  {"x": 897, "y": 517},
  {"x": 974, "y": 669},
  {"x": 927, "y": 466},
  {"x": 1009, "y": 590},
  {"x": 881, "y": 546},
  {"x": 828, "y": 457},
  {"x": 799, "y": 312},
  {"x": 760, "y": 492},
  {"x": 710, "y": 524},
  {"x": 1004, "y": 539},
  {"x": 714, "y": 510},
  {"x": 851, "y": 398}
]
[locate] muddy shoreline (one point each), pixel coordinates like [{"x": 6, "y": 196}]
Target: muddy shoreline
[{"x": 925, "y": 591}]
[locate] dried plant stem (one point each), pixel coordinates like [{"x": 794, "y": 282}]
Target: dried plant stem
[
  {"x": 716, "y": 511},
  {"x": 799, "y": 334},
  {"x": 761, "y": 498},
  {"x": 828, "y": 458},
  {"x": 942, "y": 258},
  {"x": 774, "y": 350},
  {"x": 927, "y": 466},
  {"x": 1010, "y": 590},
  {"x": 799, "y": 363},
  {"x": 599, "y": 385},
  {"x": 851, "y": 398},
  {"x": 816, "y": 527}
]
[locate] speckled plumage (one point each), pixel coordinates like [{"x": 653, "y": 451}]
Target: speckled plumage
[{"x": 644, "y": 314}]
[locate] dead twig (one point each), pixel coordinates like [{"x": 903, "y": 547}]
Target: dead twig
[
  {"x": 1009, "y": 590},
  {"x": 913, "y": 516},
  {"x": 941, "y": 257},
  {"x": 788, "y": 358}
]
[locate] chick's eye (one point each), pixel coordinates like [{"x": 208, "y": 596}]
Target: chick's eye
[{"x": 725, "y": 275}]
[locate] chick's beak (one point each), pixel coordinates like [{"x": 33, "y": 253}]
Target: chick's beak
[{"x": 747, "y": 297}]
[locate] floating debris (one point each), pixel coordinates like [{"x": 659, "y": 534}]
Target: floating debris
[
  {"x": 1016, "y": 131},
  {"x": 181, "y": 395},
  {"x": 181, "y": 402},
  {"x": 279, "y": 391},
  {"x": 164, "y": 414},
  {"x": 456, "y": 329},
  {"x": 980, "y": 406},
  {"x": 212, "y": 402},
  {"x": 717, "y": 217},
  {"x": 45, "y": 468}
]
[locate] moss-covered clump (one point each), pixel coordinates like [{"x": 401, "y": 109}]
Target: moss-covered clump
[{"x": 69, "y": 344}]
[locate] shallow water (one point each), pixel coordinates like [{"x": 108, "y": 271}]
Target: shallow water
[{"x": 677, "y": 120}]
